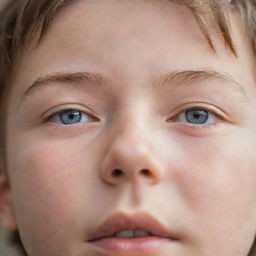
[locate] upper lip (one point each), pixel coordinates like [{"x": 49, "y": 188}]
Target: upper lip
[{"x": 139, "y": 221}]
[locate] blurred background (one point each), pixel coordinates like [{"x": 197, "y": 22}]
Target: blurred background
[{"x": 5, "y": 248}]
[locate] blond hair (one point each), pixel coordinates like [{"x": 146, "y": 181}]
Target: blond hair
[{"x": 23, "y": 20}]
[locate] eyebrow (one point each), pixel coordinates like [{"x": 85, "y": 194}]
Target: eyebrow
[
  {"x": 189, "y": 78},
  {"x": 65, "y": 78},
  {"x": 88, "y": 78},
  {"x": 186, "y": 78}
]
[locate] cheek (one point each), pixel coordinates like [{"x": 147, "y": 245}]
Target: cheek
[
  {"x": 222, "y": 175},
  {"x": 52, "y": 186},
  {"x": 218, "y": 182}
]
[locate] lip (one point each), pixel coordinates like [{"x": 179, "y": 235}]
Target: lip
[{"x": 104, "y": 238}]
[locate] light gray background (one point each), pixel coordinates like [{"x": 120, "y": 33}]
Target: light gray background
[{"x": 5, "y": 249}]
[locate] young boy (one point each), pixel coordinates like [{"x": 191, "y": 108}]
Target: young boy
[{"x": 128, "y": 127}]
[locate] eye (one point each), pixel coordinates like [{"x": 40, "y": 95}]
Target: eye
[
  {"x": 197, "y": 116},
  {"x": 70, "y": 117}
]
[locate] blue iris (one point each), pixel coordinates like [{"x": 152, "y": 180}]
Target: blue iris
[
  {"x": 197, "y": 116},
  {"x": 68, "y": 117}
]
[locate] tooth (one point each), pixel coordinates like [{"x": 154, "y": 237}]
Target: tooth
[
  {"x": 124, "y": 233},
  {"x": 141, "y": 233}
]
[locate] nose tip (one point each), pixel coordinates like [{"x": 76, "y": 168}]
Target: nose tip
[{"x": 131, "y": 163}]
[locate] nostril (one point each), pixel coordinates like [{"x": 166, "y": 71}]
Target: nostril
[
  {"x": 117, "y": 173},
  {"x": 145, "y": 172}
]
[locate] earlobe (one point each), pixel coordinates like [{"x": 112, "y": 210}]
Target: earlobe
[{"x": 7, "y": 215}]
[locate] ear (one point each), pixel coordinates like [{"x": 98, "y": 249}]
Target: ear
[{"x": 7, "y": 216}]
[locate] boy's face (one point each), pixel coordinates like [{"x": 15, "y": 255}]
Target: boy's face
[{"x": 193, "y": 133}]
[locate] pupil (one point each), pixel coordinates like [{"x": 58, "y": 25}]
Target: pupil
[
  {"x": 197, "y": 116},
  {"x": 72, "y": 116}
]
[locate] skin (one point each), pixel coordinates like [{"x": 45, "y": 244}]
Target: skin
[{"x": 201, "y": 179}]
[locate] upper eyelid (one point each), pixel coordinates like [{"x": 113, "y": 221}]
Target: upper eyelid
[
  {"x": 90, "y": 112},
  {"x": 205, "y": 109},
  {"x": 89, "y": 109},
  {"x": 214, "y": 111},
  {"x": 217, "y": 115},
  {"x": 68, "y": 106},
  {"x": 202, "y": 108}
]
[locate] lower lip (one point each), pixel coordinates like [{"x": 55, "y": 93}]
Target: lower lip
[{"x": 132, "y": 245}]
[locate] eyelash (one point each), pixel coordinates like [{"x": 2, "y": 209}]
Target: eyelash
[
  {"x": 56, "y": 113},
  {"x": 175, "y": 118},
  {"x": 216, "y": 116}
]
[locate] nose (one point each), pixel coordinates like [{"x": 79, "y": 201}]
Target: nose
[{"x": 131, "y": 159}]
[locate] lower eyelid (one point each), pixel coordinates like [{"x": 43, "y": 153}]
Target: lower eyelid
[{"x": 200, "y": 130}]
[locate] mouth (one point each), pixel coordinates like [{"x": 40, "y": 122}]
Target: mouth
[{"x": 137, "y": 233}]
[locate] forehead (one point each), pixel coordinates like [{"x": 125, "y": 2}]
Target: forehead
[{"x": 129, "y": 41}]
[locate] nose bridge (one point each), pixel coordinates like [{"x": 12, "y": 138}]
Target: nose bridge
[
  {"x": 131, "y": 127},
  {"x": 131, "y": 156},
  {"x": 131, "y": 145}
]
